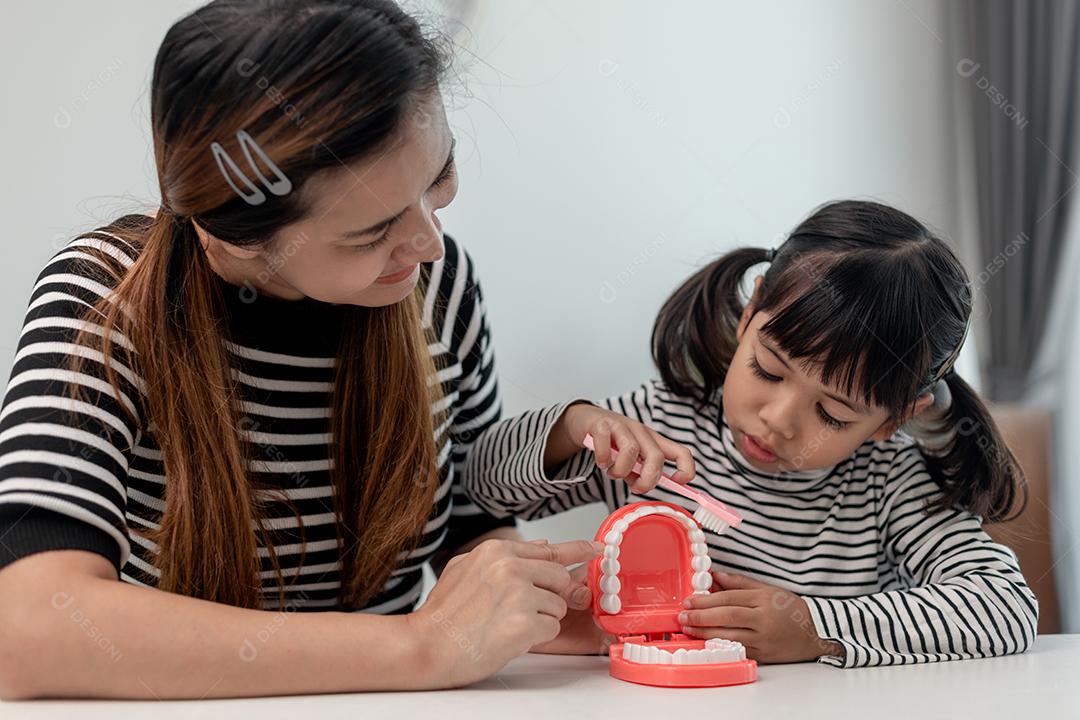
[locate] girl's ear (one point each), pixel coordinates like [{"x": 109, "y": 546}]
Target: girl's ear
[
  {"x": 887, "y": 428},
  {"x": 748, "y": 311}
]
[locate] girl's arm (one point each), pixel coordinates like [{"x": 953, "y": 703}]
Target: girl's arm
[
  {"x": 967, "y": 596},
  {"x": 533, "y": 465}
]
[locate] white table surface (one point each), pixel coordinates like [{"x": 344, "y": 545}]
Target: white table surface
[{"x": 1043, "y": 683}]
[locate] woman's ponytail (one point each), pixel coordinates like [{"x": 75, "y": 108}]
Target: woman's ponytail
[
  {"x": 694, "y": 337},
  {"x": 969, "y": 459}
]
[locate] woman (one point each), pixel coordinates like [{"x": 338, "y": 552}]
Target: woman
[{"x": 235, "y": 401}]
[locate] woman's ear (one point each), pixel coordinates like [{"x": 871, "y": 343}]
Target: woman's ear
[
  {"x": 240, "y": 253},
  {"x": 748, "y": 311}
]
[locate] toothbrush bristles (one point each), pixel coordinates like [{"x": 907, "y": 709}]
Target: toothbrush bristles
[{"x": 709, "y": 521}]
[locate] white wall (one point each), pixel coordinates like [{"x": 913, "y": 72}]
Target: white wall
[{"x": 606, "y": 149}]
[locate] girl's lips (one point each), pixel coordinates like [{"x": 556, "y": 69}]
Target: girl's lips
[
  {"x": 396, "y": 277},
  {"x": 757, "y": 450}
]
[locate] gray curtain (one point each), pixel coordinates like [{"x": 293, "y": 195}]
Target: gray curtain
[{"x": 1018, "y": 69}]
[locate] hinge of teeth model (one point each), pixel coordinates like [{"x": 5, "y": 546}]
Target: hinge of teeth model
[{"x": 609, "y": 564}]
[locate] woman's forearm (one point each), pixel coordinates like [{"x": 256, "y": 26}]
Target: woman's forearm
[{"x": 89, "y": 636}]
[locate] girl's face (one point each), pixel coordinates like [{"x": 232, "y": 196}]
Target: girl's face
[
  {"x": 782, "y": 417},
  {"x": 371, "y": 224}
]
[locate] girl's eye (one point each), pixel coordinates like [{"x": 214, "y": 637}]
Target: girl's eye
[
  {"x": 769, "y": 377},
  {"x": 830, "y": 420},
  {"x": 760, "y": 371}
]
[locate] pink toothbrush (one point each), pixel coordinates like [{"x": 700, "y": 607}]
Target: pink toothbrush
[{"x": 711, "y": 514}]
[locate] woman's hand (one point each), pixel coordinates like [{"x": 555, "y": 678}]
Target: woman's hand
[
  {"x": 494, "y": 603},
  {"x": 631, "y": 439},
  {"x": 773, "y": 624},
  {"x": 578, "y": 632}
]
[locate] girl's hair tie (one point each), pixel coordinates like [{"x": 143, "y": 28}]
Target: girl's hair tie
[{"x": 770, "y": 254}]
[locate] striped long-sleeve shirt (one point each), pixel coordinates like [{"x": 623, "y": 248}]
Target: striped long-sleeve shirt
[
  {"x": 85, "y": 481},
  {"x": 889, "y": 581}
]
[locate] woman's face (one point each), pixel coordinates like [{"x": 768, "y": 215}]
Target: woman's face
[
  {"x": 782, "y": 417},
  {"x": 371, "y": 224}
]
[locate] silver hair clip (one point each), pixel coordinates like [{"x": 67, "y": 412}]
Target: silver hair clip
[{"x": 256, "y": 196}]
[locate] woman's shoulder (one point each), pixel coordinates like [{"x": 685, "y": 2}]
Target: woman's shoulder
[
  {"x": 453, "y": 302},
  {"x": 88, "y": 265}
]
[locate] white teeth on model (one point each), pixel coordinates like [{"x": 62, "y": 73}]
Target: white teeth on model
[
  {"x": 715, "y": 651},
  {"x": 610, "y": 585},
  {"x": 610, "y": 566}
]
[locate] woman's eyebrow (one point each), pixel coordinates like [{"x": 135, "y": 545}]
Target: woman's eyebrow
[
  {"x": 383, "y": 223},
  {"x": 853, "y": 406}
]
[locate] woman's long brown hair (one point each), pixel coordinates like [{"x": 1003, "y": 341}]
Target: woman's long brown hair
[{"x": 345, "y": 78}]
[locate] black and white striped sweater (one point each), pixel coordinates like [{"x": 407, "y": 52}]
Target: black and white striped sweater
[
  {"x": 889, "y": 582},
  {"x": 84, "y": 487}
]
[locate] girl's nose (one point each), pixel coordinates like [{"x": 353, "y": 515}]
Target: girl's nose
[{"x": 779, "y": 415}]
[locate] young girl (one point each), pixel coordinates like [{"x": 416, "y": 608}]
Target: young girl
[{"x": 859, "y": 545}]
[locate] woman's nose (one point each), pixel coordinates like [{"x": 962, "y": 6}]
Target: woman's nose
[{"x": 424, "y": 242}]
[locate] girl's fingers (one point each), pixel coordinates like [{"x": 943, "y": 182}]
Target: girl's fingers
[
  {"x": 628, "y": 451},
  {"x": 684, "y": 460},
  {"x": 724, "y": 616},
  {"x": 653, "y": 463},
  {"x": 724, "y": 598},
  {"x": 602, "y": 444},
  {"x": 739, "y": 635}
]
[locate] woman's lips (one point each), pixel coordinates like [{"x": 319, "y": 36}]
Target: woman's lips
[
  {"x": 756, "y": 449},
  {"x": 397, "y": 277}
]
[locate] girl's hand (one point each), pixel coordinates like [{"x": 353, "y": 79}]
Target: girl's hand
[
  {"x": 631, "y": 439},
  {"x": 773, "y": 624},
  {"x": 494, "y": 603}
]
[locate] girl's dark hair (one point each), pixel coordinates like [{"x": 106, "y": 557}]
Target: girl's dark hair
[
  {"x": 879, "y": 306},
  {"x": 315, "y": 85}
]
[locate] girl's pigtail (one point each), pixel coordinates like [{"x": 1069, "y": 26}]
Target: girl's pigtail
[
  {"x": 694, "y": 337},
  {"x": 971, "y": 462}
]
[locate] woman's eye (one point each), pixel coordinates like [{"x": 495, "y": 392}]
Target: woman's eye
[
  {"x": 382, "y": 238},
  {"x": 760, "y": 371},
  {"x": 371, "y": 245},
  {"x": 830, "y": 420},
  {"x": 446, "y": 175}
]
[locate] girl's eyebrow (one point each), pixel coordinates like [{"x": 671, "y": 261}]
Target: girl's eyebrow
[{"x": 851, "y": 405}]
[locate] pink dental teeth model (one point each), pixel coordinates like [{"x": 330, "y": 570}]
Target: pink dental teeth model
[{"x": 654, "y": 557}]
